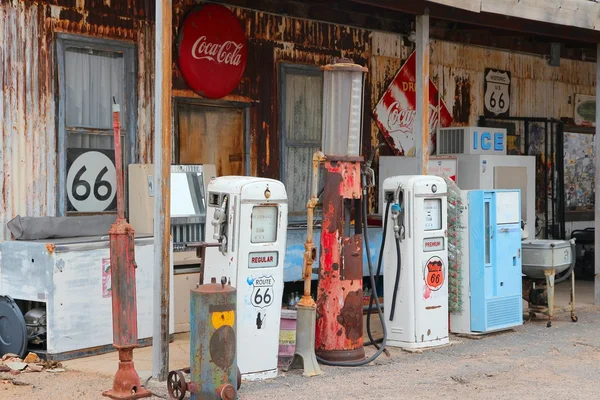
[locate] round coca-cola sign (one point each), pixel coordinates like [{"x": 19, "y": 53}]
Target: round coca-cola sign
[{"x": 212, "y": 51}]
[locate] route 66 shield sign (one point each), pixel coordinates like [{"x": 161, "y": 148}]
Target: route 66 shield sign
[
  {"x": 262, "y": 292},
  {"x": 496, "y": 93}
]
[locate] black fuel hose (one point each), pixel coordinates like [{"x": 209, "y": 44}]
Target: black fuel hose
[
  {"x": 372, "y": 277},
  {"x": 397, "y": 282},
  {"x": 372, "y": 341}
]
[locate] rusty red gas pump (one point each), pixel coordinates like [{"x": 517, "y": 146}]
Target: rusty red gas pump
[
  {"x": 127, "y": 383},
  {"x": 339, "y": 325}
]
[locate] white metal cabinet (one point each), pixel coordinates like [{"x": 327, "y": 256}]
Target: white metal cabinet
[{"x": 67, "y": 275}]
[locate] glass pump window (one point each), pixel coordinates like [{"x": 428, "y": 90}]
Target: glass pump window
[
  {"x": 264, "y": 224},
  {"x": 432, "y": 209}
]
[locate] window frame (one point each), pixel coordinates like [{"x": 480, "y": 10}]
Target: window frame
[
  {"x": 199, "y": 102},
  {"x": 63, "y": 42},
  {"x": 297, "y": 69}
]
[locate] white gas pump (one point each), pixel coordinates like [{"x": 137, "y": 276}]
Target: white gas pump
[
  {"x": 416, "y": 261},
  {"x": 249, "y": 219}
]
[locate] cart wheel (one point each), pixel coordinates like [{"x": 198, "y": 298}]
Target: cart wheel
[
  {"x": 549, "y": 324},
  {"x": 574, "y": 318},
  {"x": 239, "y": 378},
  {"x": 176, "y": 385}
]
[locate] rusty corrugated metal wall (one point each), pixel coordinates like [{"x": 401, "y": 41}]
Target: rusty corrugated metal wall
[
  {"x": 28, "y": 102},
  {"x": 537, "y": 89},
  {"x": 27, "y": 113},
  {"x": 28, "y": 80},
  {"x": 273, "y": 39}
]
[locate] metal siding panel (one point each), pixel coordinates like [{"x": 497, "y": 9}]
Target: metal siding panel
[
  {"x": 537, "y": 89},
  {"x": 145, "y": 84},
  {"x": 27, "y": 130}
]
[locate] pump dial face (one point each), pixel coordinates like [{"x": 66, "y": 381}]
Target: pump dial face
[
  {"x": 264, "y": 224},
  {"x": 432, "y": 210}
]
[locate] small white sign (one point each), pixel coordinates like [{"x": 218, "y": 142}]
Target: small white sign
[
  {"x": 497, "y": 92},
  {"x": 262, "y": 291},
  {"x": 91, "y": 182},
  {"x": 265, "y": 259},
  {"x": 433, "y": 244}
]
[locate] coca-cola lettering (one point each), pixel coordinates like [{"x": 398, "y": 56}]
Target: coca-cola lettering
[
  {"x": 212, "y": 51},
  {"x": 227, "y": 53},
  {"x": 403, "y": 119},
  {"x": 399, "y": 119}
]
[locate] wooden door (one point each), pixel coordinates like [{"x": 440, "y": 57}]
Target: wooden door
[{"x": 211, "y": 135}]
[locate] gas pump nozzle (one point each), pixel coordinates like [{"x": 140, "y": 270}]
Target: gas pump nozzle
[{"x": 397, "y": 214}]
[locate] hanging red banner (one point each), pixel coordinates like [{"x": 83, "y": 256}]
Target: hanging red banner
[
  {"x": 396, "y": 111},
  {"x": 212, "y": 51}
]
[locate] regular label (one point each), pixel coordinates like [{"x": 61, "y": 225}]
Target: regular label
[{"x": 265, "y": 259}]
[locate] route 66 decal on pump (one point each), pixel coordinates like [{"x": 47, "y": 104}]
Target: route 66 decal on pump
[{"x": 248, "y": 216}]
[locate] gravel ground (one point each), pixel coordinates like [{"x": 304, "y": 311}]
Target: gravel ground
[{"x": 532, "y": 362}]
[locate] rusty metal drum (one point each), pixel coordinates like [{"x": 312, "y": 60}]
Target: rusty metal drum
[{"x": 213, "y": 361}]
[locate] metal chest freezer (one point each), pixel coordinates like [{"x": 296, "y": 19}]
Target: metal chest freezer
[{"x": 71, "y": 279}]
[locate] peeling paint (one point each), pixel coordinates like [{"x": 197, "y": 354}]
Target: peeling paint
[{"x": 462, "y": 100}]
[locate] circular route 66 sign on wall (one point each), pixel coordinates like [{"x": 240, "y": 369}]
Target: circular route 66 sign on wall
[{"x": 91, "y": 180}]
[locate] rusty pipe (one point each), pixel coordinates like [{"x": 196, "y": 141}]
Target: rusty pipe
[
  {"x": 118, "y": 160},
  {"x": 310, "y": 253}
]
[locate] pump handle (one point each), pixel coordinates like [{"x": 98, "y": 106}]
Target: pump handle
[{"x": 373, "y": 152}]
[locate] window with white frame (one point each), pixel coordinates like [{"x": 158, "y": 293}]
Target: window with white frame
[
  {"x": 94, "y": 74},
  {"x": 300, "y": 113}
]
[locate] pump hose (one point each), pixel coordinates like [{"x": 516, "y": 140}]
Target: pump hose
[
  {"x": 397, "y": 283},
  {"x": 373, "y": 285},
  {"x": 377, "y": 275}
]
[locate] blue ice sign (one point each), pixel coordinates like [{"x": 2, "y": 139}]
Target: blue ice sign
[{"x": 489, "y": 141}]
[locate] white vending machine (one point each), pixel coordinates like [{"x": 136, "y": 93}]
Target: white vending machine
[
  {"x": 248, "y": 216},
  {"x": 415, "y": 283},
  {"x": 502, "y": 172}
]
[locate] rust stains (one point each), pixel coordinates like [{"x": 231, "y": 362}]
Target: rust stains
[
  {"x": 69, "y": 14},
  {"x": 461, "y": 110},
  {"x": 352, "y": 254},
  {"x": 350, "y": 317},
  {"x": 331, "y": 201}
]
